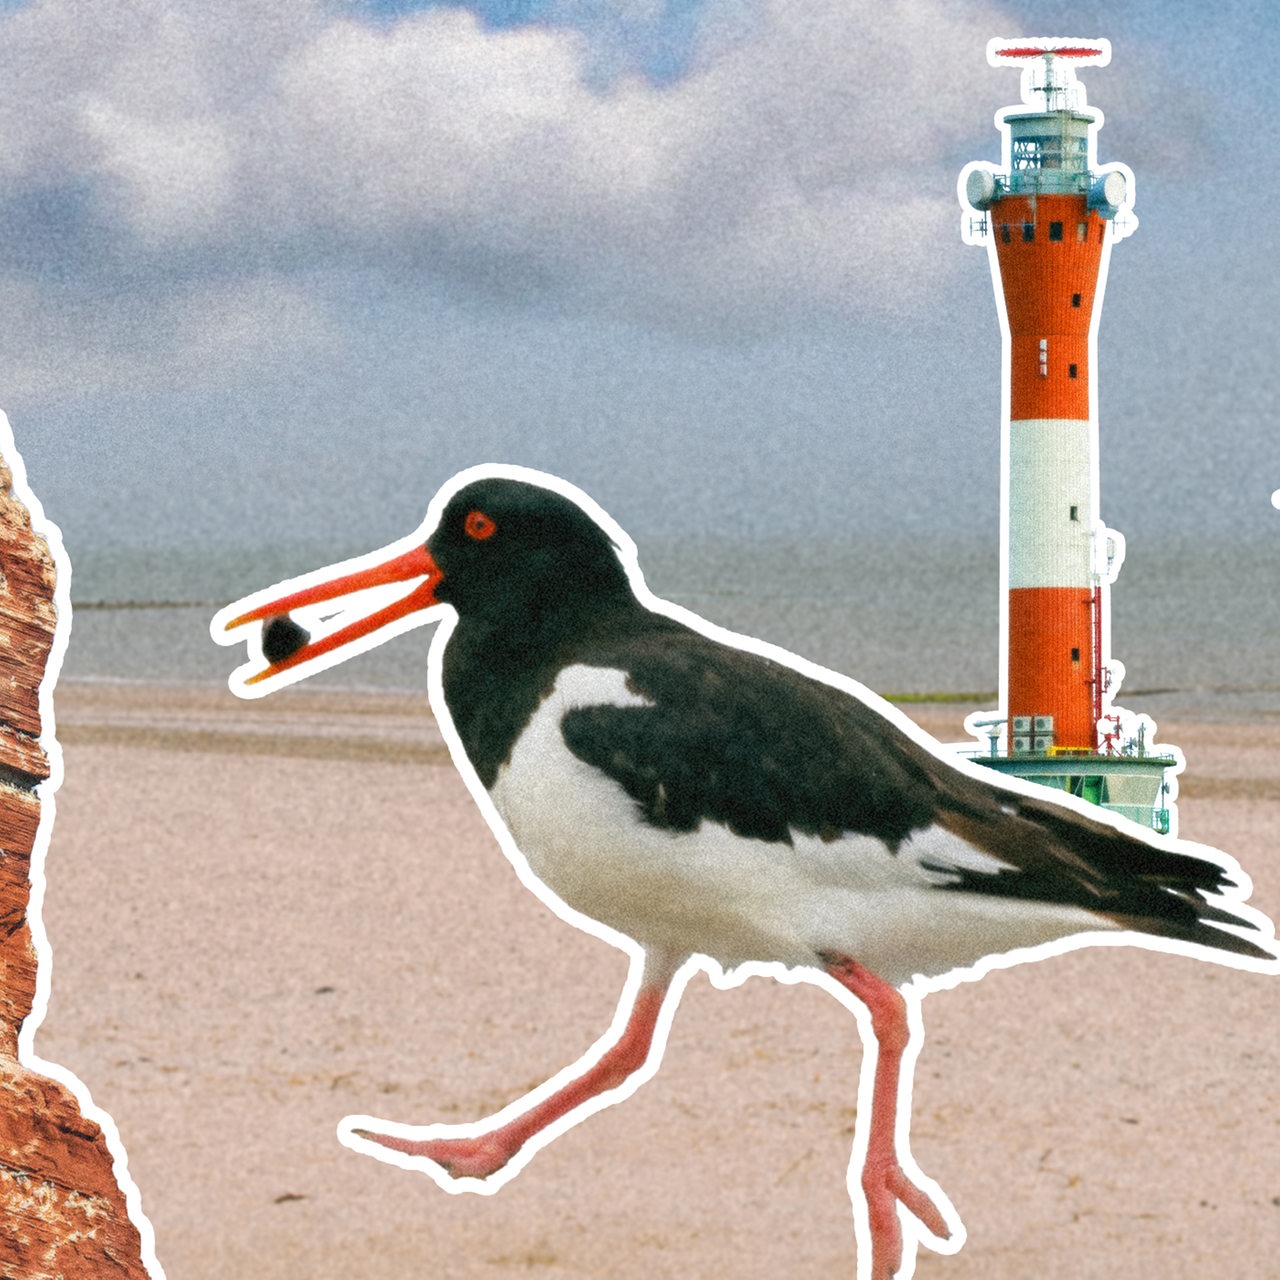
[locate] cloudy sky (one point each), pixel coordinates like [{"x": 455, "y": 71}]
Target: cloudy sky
[{"x": 274, "y": 271}]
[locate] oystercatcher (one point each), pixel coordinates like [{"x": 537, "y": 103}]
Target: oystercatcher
[{"x": 705, "y": 800}]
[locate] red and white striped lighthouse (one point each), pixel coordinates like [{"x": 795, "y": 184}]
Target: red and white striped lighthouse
[{"x": 1048, "y": 218}]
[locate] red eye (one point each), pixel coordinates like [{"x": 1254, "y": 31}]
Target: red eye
[{"x": 479, "y": 526}]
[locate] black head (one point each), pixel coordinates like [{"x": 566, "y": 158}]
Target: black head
[
  {"x": 507, "y": 547},
  {"x": 514, "y": 559}
]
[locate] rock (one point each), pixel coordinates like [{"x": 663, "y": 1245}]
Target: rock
[{"x": 63, "y": 1214}]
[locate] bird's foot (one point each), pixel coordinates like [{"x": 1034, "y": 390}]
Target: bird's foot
[
  {"x": 477, "y": 1157},
  {"x": 885, "y": 1188}
]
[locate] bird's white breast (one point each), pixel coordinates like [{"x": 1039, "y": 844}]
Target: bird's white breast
[{"x": 736, "y": 899}]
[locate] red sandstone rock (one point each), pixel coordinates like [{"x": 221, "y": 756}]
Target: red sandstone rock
[{"x": 62, "y": 1212}]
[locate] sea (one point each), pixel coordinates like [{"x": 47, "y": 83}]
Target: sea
[{"x": 1196, "y": 624}]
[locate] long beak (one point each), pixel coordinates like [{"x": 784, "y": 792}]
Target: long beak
[{"x": 417, "y": 563}]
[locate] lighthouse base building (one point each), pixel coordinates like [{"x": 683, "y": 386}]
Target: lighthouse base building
[{"x": 1048, "y": 219}]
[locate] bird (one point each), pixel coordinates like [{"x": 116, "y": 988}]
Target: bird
[{"x": 709, "y": 801}]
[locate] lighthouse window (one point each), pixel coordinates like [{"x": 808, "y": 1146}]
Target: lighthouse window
[
  {"x": 1071, "y": 371},
  {"x": 1075, "y": 513},
  {"x": 1028, "y": 231},
  {"x": 1075, "y": 299},
  {"x": 1082, "y": 231},
  {"x": 1075, "y": 655},
  {"x": 1026, "y": 153},
  {"x": 1004, "y": 232},
  {"x": 1055, "y": 231}
]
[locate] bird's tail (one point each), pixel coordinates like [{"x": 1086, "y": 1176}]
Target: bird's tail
[{"x": 1150, "y": 888}]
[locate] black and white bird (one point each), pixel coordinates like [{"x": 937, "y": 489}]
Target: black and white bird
[{"x": 706, "y": 800}]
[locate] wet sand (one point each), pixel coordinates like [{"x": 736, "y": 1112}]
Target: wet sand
[{"x": 268, "y": 916}]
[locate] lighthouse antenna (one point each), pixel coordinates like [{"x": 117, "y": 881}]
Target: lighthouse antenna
[{"x": 1048, "y": 69}]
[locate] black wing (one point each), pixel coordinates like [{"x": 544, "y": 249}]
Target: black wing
[{"x": 736, "y": 739}]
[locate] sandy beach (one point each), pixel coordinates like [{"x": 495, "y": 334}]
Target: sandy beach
[{"x": 268, "y": 916}]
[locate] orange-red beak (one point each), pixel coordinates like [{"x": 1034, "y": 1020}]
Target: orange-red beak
[{"x": 417, "y": 563}]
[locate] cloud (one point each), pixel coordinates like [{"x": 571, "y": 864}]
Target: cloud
[
  {"x": 803, "y": 164},
  {"x": 797, "y": 169}
]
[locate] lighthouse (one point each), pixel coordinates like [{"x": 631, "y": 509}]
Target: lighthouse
[{"x": 1049, "y": 217}]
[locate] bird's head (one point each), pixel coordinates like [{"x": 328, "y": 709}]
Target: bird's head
[
  {"x": 503, "y": 550},
  {"x": 505, "y": 547}
]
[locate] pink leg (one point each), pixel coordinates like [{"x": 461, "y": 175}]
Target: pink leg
[
  {"x": 486, "y": 1153},
  {"x": 883, "y": 1182}
]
